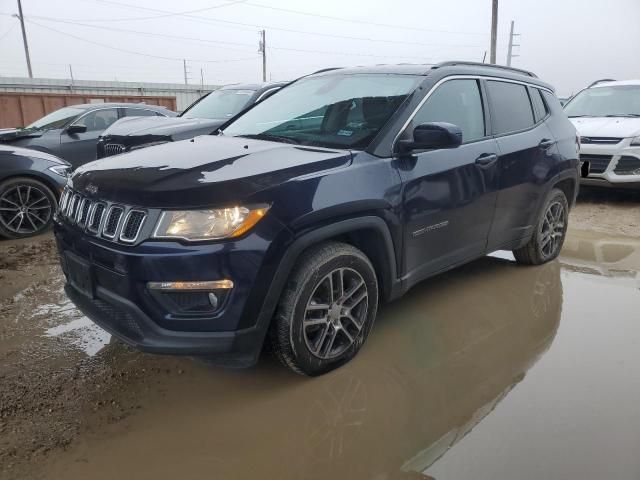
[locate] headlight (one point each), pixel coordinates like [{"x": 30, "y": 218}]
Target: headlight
[
  {"x": 62, "y": 170},
  {"x": 635, "y": 141},
  {"x": 215, "y": 224}
]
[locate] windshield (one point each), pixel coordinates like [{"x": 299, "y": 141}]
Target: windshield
[
  {"x": 334, "y": 111},
  {"x": 220, "y": 104},
  {"x": 58, "y": 119},
  {"x": 623, "y": 100}
]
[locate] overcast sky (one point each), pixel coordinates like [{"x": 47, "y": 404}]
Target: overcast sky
[{"x": 568, "y": 43}]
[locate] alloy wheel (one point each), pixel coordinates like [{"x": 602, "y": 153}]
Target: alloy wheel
[
  {"x": 25, "y": 209},
  {"x": 335, "y": 313},
  {"x": 553, "y": 229}
]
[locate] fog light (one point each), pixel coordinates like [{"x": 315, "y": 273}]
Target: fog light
[
  {"x": 191, "y": 298},
  {"x": 213, "y": 300}
]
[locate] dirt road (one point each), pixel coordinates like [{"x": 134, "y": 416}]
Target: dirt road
[{"x": 74, "y": 404}]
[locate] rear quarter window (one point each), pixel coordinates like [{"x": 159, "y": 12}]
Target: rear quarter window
[
  {"x": 510, "y": 107},
  {"x": 540, "y": 109}
]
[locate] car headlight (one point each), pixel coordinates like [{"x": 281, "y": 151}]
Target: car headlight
[
  {"x": 635, "y": 141},
  {"x": 62, "y": 170},
  {"x": 215, "y": 224}
]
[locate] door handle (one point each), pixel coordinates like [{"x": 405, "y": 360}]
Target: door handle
[
  {"x": 545, "y": 143},
  {"x": 486, "y": 159}
]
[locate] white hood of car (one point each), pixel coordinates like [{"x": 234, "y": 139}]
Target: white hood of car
[{"x": 619, "y": 127}]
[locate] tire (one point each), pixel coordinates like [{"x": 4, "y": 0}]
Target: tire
[
  {"x": 26, "y": 207},
  {"x": 310, "y": 339},
  {"x": 550, "y": 232}
]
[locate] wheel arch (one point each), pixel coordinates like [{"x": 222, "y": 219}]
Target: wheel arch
[{"x": 33, "y": 175}]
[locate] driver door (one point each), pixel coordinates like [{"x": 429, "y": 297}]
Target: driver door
[
  {"x": 449, "y": 195},
  {"x": 80, "y": 148}
]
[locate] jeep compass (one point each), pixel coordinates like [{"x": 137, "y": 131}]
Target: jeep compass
[{"x": 337, "y": 193}]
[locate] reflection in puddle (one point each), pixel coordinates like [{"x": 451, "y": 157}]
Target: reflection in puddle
[{"x": 82, "y": 333}]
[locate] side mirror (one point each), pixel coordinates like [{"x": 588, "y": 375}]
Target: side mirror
[
  {"x": 433, "y": 135},
  {"x": 73, "y": 129}
]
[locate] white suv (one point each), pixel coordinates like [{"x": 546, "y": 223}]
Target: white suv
[{"x": 607, "y": 117}]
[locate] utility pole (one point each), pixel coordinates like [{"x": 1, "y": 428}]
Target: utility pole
[
  {"x": 510, "y": 54},
  {"x": 24, "y": 38},
  {"x": 201, "y": 79},
  {"x": 184, "y": 66},
  {"x": 262, "y": 48},
  {"x": 494, "y": 31},
  {"x": 71, "y": 75}
]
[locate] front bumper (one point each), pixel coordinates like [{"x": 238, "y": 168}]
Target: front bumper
[
  {"x": 120, "y": 302},
  {"x": 617, "y": 165}
]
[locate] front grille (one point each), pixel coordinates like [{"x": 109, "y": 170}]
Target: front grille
[
  {"x": 112, "y": 222},
  {"x": 627, "y": 165},
  {"x": 113, "y": 149},
  {"x": 600, "y": 140},
  {"x": 64, "y": 198},
  {"x": 597, "y": 163},
  {"x": 132, "y": 225},
  {"x": 73, "y": 207}
]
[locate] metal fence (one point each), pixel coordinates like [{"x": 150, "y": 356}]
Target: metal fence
[{"x": 22, "y": 99}]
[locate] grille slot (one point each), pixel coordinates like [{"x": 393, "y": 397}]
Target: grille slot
[
  {"x": 113, "y": 220},
  {"x": 132, "y": 224},
  {"x": 113, "y": 149},
  {"x": 63, "y": 201},
  {"x": 597, "y": 163},
  {"x": 627, "y": 165},
  {"x": 95, "y": 219},
  {"x": 83, "y": 212},
  {"x": 73, "y": 207},
  {"x": 600, "y": 140}
]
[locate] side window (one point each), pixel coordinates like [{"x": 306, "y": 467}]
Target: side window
[
  {"x": 138, "y": 112},
  {"x": 539, "y": 107},
  {"x": 98, "y": 120},
  {"x": 510, "y": 107},
  {"x": 458, "y": 102}
]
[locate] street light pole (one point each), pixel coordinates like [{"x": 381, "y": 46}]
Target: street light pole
[{"x": 24, "y": 38}]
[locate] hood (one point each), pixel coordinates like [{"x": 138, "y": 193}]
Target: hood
[
  {"x": 9, "y": 134},
  {"x": 201, "y": 172},
  {"x": 160, "y": 126},
  {"x": 619, "y": 127},
  {"x": 27, "y": 152}
]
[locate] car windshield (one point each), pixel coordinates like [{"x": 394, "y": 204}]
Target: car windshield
[
  {"x": 622, "y": 101},
  {"x": 334, "y": 111},
  {"x": 58, "y": 119},
  {"x": 220, "y": 104}
]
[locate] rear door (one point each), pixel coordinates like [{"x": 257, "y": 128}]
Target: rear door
[
  {"x": 526, "y": 148},
  {"x": 449, "y": 194}
]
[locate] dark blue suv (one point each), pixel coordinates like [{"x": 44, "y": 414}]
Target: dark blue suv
[{"x": 293, "y": 223}]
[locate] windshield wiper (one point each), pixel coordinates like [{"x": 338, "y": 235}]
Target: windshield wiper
[
  {"x": 576, "y": 116},
  {"x": 272, "y": 138},
  {"x": 632, "y": 115}
]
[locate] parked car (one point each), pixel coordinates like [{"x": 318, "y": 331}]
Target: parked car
[
  {"x": 72, "y": 132},
  {"x": 607, "y": 117},
  {"x": 201, "y": 118},
  {"x": 341, "y": 190},
  {"x": 30, "y": 185}
]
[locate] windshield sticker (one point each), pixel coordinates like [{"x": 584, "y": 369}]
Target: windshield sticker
[{"x": 345, "y": 133}]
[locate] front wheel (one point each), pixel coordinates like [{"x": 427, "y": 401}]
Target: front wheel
[
  {"x": 327, "y": 309},
  {"x": 26, "y": 207},
  {"x": 548, "y": 237}
]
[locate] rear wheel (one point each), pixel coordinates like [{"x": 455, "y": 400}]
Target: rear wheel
[
  {"x": 548, "y": 238},
  {"x": 26, "y": 207},
  {"x": 327, "y": 309}
]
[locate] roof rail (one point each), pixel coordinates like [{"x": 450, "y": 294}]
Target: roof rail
[
  {"x": 602, "y": 80},
  {"x": 488, "y": 65},
  {"x": 326, "y": 70}
]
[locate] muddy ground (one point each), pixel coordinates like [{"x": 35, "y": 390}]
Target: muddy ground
[{"x": 65, "y": 385}]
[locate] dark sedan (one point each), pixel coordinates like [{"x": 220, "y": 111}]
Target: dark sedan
[
  {"x": 30, "y": 185},
  {"x": 202, "y": 118},
  {"x": 72, "y": 132}
]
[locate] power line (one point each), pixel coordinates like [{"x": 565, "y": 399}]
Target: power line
[
  {"x": 166, "y": 14},
  {"x": 134, "y": 52},
  {"x": 60, "y": 20},
  {"x": 178, "y": 37},
  {"x": 8, "y": 31},
  {"x": 362, "y": 22}
]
